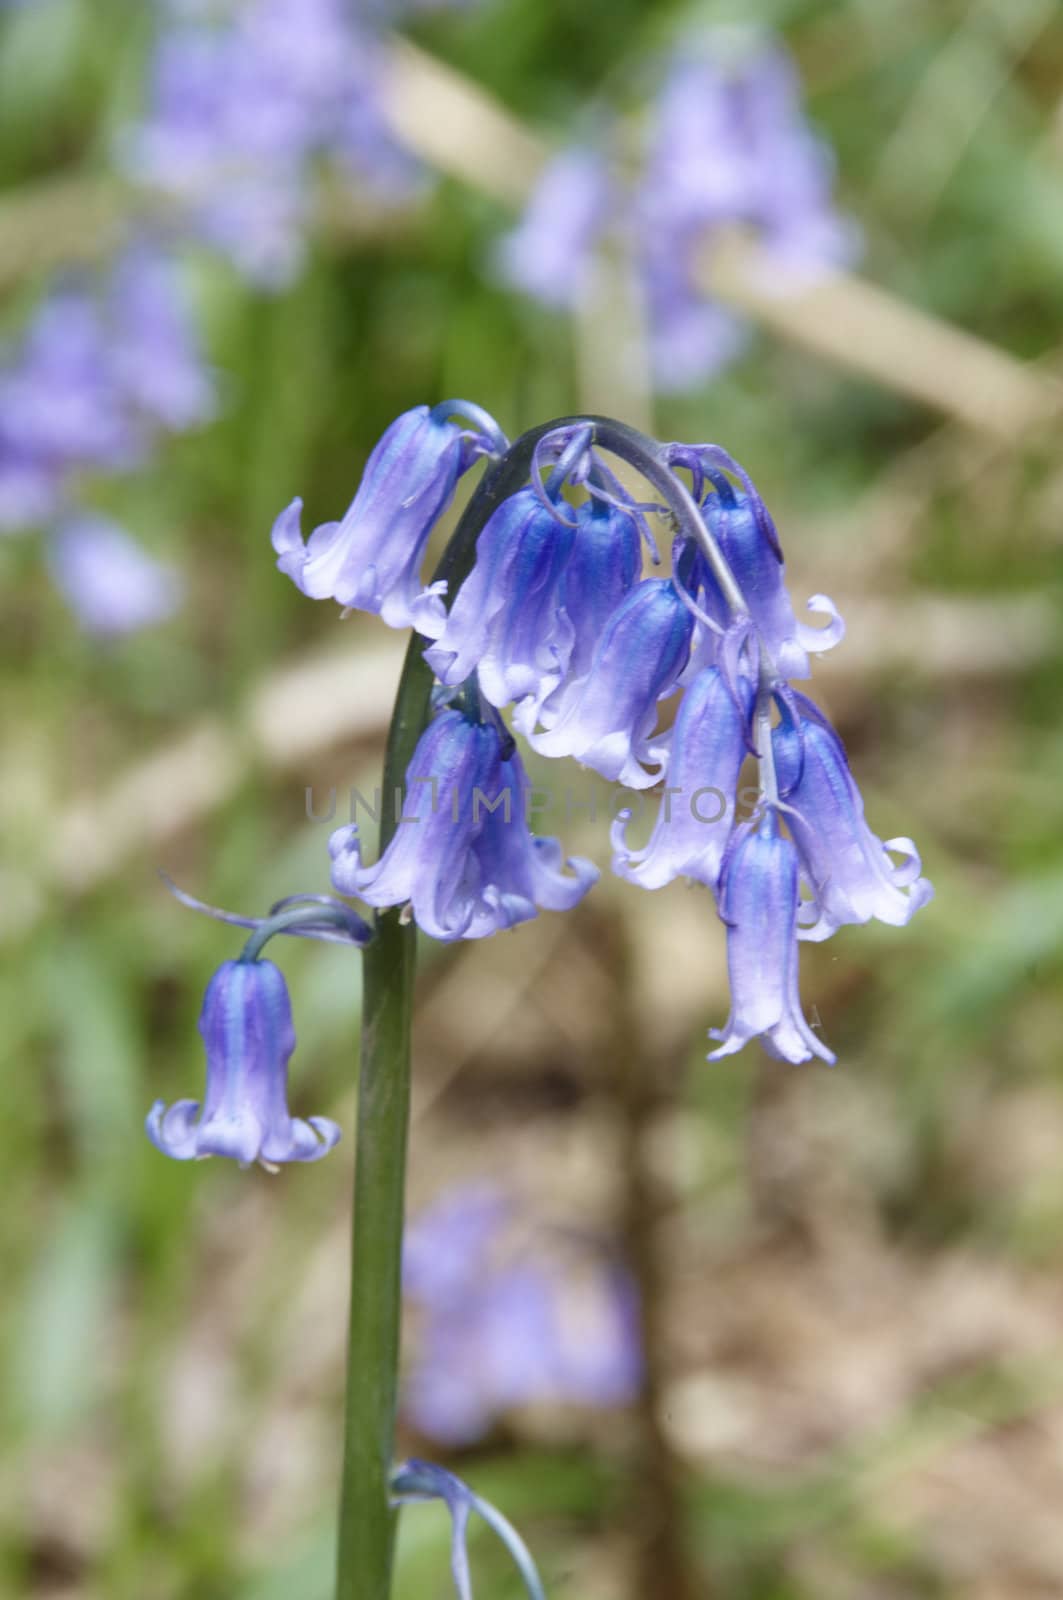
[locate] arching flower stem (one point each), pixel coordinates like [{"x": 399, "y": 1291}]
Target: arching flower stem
[
  {"x": 367, "y": 1516},
  {"x": 366, "y": 1510}
]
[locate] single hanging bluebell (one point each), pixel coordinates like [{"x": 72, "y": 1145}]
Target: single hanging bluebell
[
  {"x": 602, "y": 568},
  {"x": 849, "y": 868},
  {"x": 744, "y": 529},
  {"x": 708, "y": 745},
  {"x": 506, "y": 622},
  {"x": 246, "y": 1023},
  {"x": 758, "y": 900},
  {"x": 371, "y": 559},
  {"x": 462, "y": 858},
  {"x": 607, "y": 718}
]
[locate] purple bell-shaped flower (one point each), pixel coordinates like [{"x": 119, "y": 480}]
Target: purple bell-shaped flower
[
  {"x": 848, "y": 867},
  {"x": 462, "y": 858},
  {"x": 507, "y": 623},
  {"x": 759, "y": 903},
  {"x": 708, "y": 745},
  {"x": 371, "y": 559},
  {"x": 606, "y": 719},
  {"x": 246, "y": 1023}
]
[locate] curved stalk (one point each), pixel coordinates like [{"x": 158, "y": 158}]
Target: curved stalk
[{"x": 366, "y": 1516}]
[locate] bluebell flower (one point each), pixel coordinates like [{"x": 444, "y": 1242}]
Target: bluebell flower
[
  {"x": 731, "y": 147},
  {"x": 745, "y": 532},
  {"x": 415, "y": 1481},
  {"x": 502, "y": 1324},
  {"x": 607, "y": 719},
  {"x": 507, "y": 622},
  {"x": 371, "y": 559},
  {"x": 100, "y": 371},
  {"x": 759, "y": 902},
  {"x": 246, "y": 1023},
  {"x": 108, "y": 580},
  {"x": 154, "y": 347},
  {"x": 60, "y": 406},
  {"x": 462, "y": 858},
  {"x": 848, "y": 867},
  {"x": 520, "y": 873},
  {"x": 602, "y": 567},
  {"x": 243, "y": 108},
  {"x": 550, "y": 254},
  {"x": 707, "y": 744}
]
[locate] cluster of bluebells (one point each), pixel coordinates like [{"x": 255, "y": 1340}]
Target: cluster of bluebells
[
  {"x": 727, "y": 146},
  {"x": 105, "y": 368},
  {"x": 508, "y": 1316},
  {"x": 556, "y": 621},
  {"x": 247, "y": 99},
  {"x": 551, "y": 618}
]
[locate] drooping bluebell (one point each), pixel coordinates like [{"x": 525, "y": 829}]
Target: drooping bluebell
[
  {"x": 507, "y": 622},
  {"x": 707, "y": 747},
  {"x": 848, "y": 867},
  {"x": 246, "y": 1023},
  {"x": 601, "y": 569},
  {"x": 759, "y": 902},
  {"x": 371, "y": 559},
  {"x": 462, "y": 857},
  {"x": 607, "y": 718}
]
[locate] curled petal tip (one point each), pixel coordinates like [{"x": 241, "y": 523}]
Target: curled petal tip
[
  {"x": 345, "y": 852},
  {"x": 819, "y": 640},
  {"x": 286, "y": 537}
]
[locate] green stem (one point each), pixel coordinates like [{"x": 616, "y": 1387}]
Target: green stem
[{"x": 366, "y": 1517}]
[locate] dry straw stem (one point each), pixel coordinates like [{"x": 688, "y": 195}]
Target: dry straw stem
[
  {"x": 852, "y": 323},
  {"x": 841, "y": 318},
  {"x": 329, "y": 699},
  {"x": 459, "y": 128}
]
